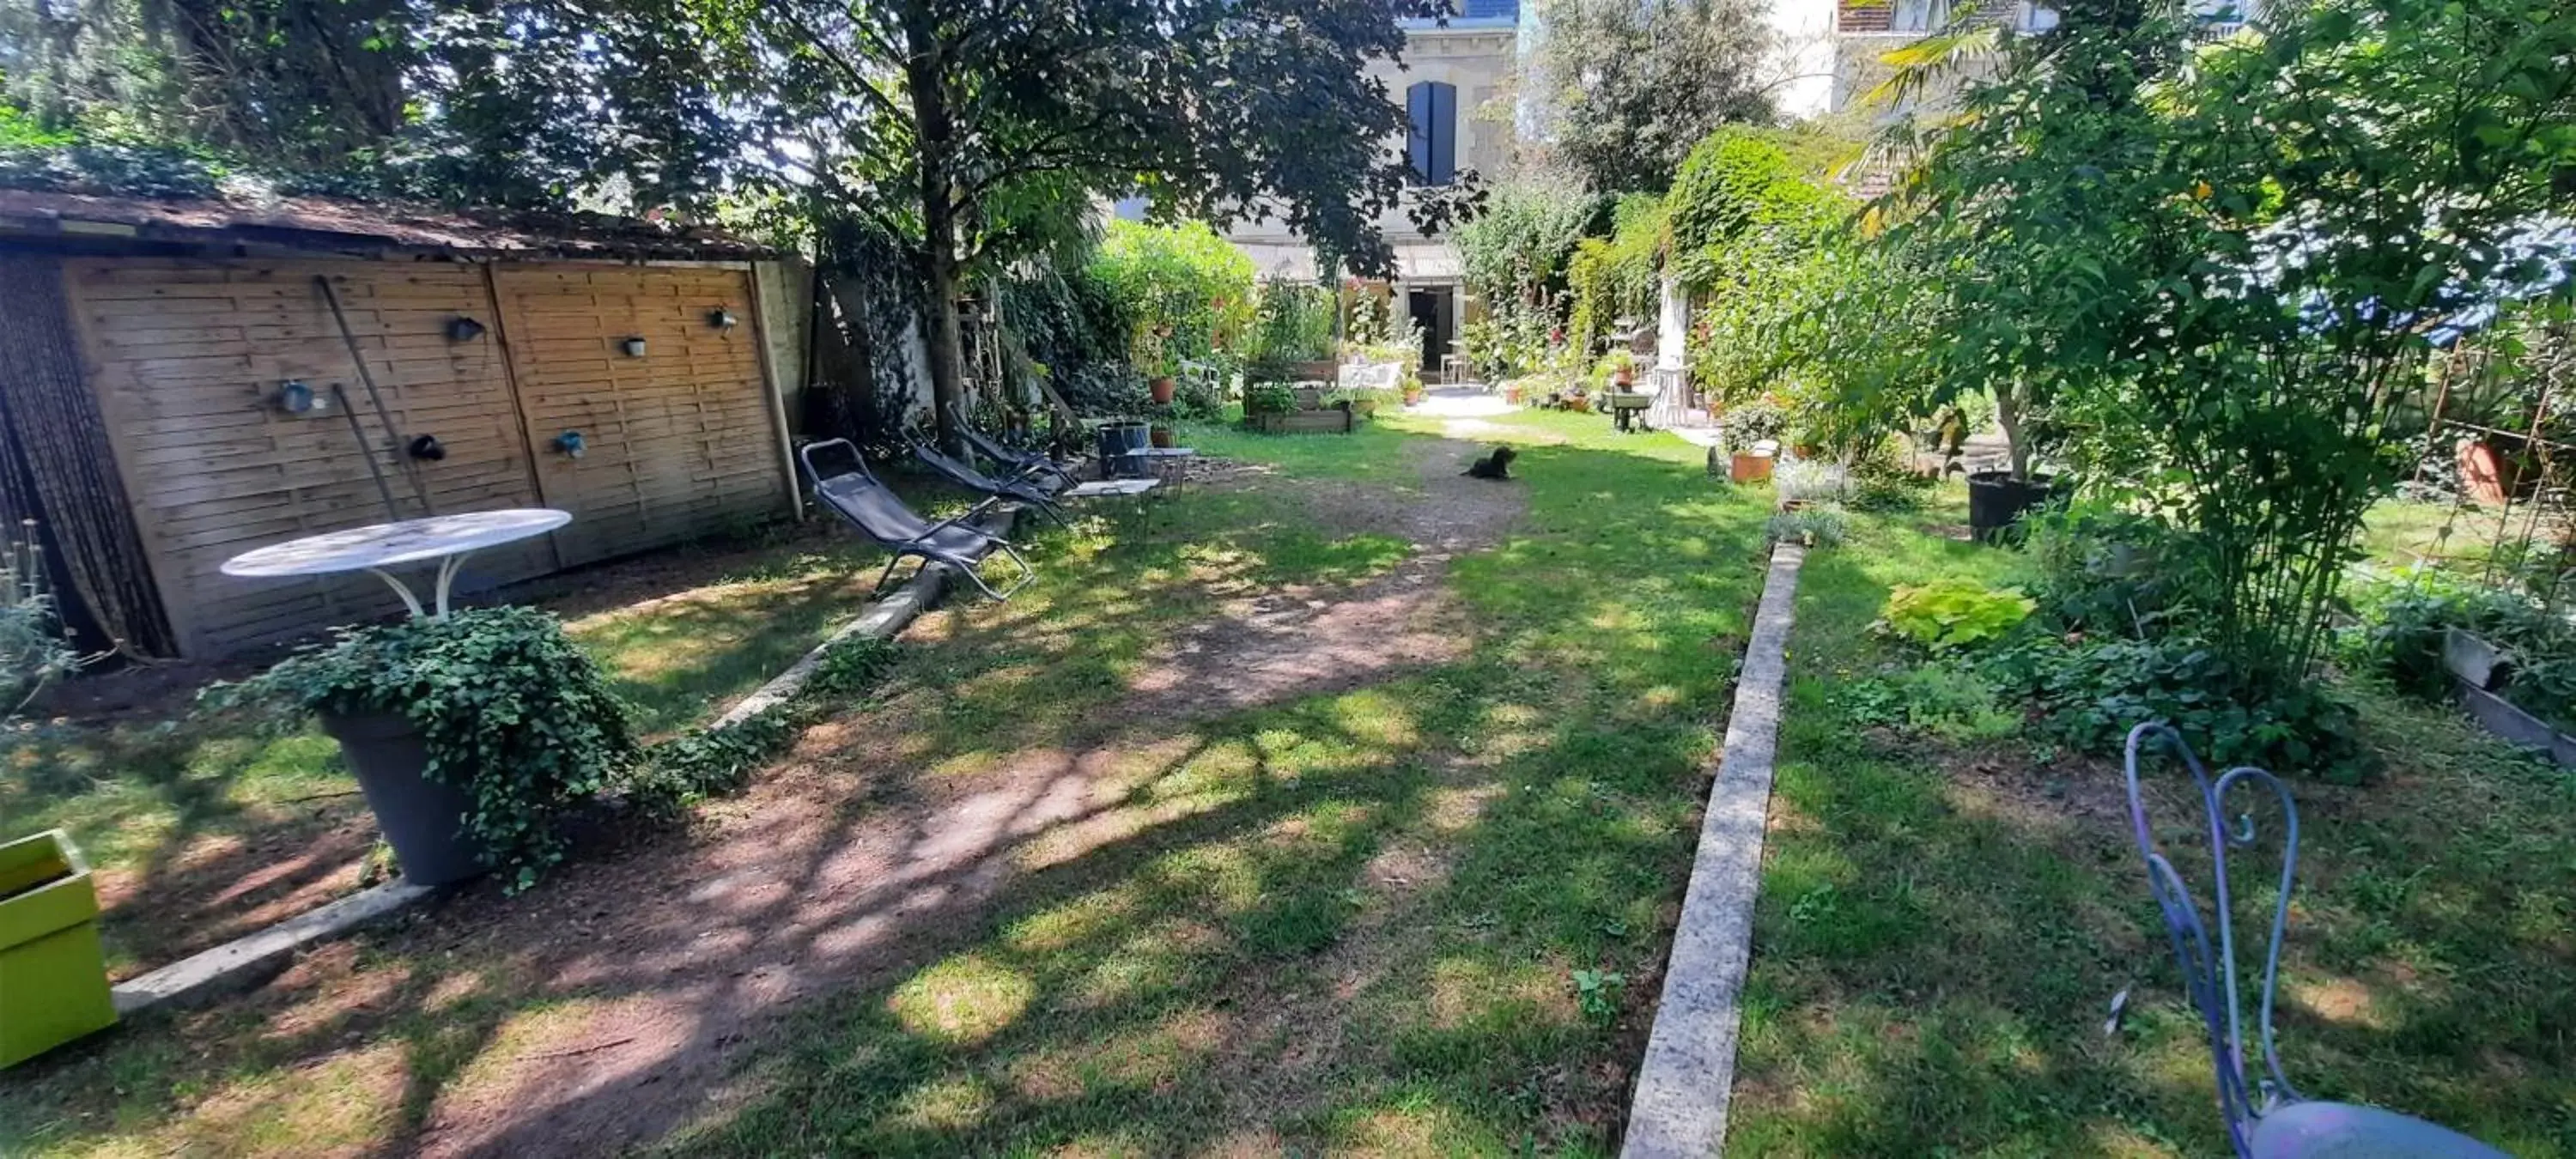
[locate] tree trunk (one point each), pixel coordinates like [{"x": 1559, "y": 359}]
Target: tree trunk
[
  {"x": 926, "y": 85},
  {"x": 2008, "y": 416}
]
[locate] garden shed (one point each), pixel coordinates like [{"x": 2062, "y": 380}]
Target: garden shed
[{"x": 180, "y": 381}]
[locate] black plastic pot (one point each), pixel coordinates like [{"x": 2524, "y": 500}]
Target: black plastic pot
[
  {"x": 1122, "y": 447},
  {"x": 1996, "y": 501},
  {"x": 422, "y": 819}
]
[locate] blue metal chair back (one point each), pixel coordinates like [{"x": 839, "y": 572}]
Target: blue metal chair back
[{"x": 2210, "y": 972}]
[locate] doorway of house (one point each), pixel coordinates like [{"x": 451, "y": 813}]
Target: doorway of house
[{"x": 1430, "y": 311}]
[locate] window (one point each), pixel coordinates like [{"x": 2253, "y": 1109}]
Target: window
[
  {"x": 1432, "y": 145},
  {"x": 1919, "y": 15}
]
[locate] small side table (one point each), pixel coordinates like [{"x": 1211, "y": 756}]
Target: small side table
[{"x": 1169, "y": 464}]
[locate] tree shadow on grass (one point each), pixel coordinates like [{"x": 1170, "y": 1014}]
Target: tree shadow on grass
[
  {"x": 1940, "y": 930},
  {"x": 1346, "y": 920}
]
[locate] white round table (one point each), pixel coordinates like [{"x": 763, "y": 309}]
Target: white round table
[{"x": 445, "y": 538}]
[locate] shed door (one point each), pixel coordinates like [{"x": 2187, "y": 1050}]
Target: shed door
[{"x": 677, "y": 441}]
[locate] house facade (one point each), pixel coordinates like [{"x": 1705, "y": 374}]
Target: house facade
[{"x": 1453, "y": 72}]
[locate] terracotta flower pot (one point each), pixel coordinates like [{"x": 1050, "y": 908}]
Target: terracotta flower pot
[
  {"x": 1747, "y": 467},
  {"x": 1579, "y": 403},
  {"x": 1161, "y": 435},
  {"x": 1162, "y": 388},
  {"x": 2488, "y": 475}
]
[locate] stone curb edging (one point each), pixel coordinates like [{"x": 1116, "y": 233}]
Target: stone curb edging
[
  {"x": 1679, "y": 1109},
  {"x": 254, "y": 958}
]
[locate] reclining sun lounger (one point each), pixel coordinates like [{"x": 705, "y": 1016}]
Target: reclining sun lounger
[
  {"x": 1021, "y": 486},
  {"x": 1036, "y": 463},
  {"x": 869, "y": 505}
]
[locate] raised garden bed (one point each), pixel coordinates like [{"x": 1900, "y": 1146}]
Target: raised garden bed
[
  {"x": 2478, "y": 670},
  {"x": 1332, "y": 420}
]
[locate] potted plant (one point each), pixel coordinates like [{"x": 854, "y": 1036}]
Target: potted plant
[
  {"x": 471, "y": 734},
  {"x": 1617, "y": 369},
  {"x": 1412, "y": 387},
  {"x": 1752, "y": 435},
  {"x": 1578, "y": 400}
]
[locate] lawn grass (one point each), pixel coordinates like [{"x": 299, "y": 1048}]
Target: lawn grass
[
  {"x": 1350, "y": 918},
  {"x": 1460, "y": 840},
  {"x": 1941, "y": 927}
]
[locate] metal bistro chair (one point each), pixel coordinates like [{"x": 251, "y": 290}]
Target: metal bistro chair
[
  {"x": 2266, "y": 1117},
  {"x": 874, "y": 509}
]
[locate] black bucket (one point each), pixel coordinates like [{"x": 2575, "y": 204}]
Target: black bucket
[
  {"x": 1122, "y": 449},
  {"x": 1997, "y": 501}
]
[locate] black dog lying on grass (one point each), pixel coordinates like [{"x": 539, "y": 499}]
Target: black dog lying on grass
[{"x": 1497, "y": 465}]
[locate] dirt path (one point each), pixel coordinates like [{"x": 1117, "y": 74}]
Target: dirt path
[{"x": 678, "y": 960}]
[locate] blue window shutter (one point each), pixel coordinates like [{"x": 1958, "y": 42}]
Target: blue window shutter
[
  {"x": 1444, "y": 133},
  {"x": 1431, "y": 147},
  {"x": 1417, "y": 143}
]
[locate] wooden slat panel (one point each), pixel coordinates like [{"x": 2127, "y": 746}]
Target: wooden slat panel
[
  {"x": 677, "y": 441},
  {"x": 187, "y": 356}
]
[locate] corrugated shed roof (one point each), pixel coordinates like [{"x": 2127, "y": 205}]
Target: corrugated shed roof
[{"x": 331, "y": 223}]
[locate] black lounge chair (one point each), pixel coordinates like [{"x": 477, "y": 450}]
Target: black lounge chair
[
  {"x": 872, "y": 507},
  {"x": 1035, "y": 463},
  {"x": 1021, "y": 486}
]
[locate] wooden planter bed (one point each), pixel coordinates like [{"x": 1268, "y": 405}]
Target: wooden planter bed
[{"x": 1330, "y": 420}]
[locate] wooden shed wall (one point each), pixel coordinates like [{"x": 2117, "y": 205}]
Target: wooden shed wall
[
  {"x": 186, "y": 357},
  {"x": 678, "y": 442}
]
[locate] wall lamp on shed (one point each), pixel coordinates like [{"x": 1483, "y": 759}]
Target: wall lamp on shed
[
  {"x": 463, "y": 329},
  {"x": 722, "y": 319},
  {"x": 633, "y": 346}
]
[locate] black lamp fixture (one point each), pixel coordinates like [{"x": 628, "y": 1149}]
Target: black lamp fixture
[
  {"x": 722, "y": 319},
  {"x": 463, "y": 329},
  {"x": 633, "y": 346}
]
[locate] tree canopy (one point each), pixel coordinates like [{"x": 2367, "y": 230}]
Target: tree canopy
[
  {"x": 968, "y": 132},
  {"x": 1630, "y": 87}
]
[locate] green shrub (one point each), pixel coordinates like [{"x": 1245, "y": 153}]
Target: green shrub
[
  {"x": 1752, "y": 422},
  {"x": 2106, "y": 571},
  {"x": 1269, "y": 398},
  {"x": 1811, "y": 526},
  {"x": 1186, "y": 292},
  {"x": 34, "y": 652},
  {"x": 2400, "y": 635},
  {"x": 1954, "y": 703},
  {"x": 2092, "y": 692},
  {"x": 1956, "y": 613},
  {"x": 1293, "y": 323}
]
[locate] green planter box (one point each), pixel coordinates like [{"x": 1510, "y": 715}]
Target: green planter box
[{"x": 53, "y": 976}]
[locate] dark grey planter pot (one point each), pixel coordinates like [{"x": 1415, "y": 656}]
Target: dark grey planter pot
[
  {"x": 422, "y": 819},
  {"x": 1997, "y": 501}
]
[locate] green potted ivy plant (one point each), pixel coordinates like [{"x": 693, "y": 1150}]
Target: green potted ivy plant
[{"x": 471, "y": 735}]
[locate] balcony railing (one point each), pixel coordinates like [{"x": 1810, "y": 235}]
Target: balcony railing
[{"x": 1916, "y": 17}]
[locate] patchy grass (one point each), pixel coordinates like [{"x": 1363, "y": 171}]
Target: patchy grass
[
  {"x": 1347, "y": 914},
  {"x": 1941, "y": 927},
  {"x": 202, "y": 831}
]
